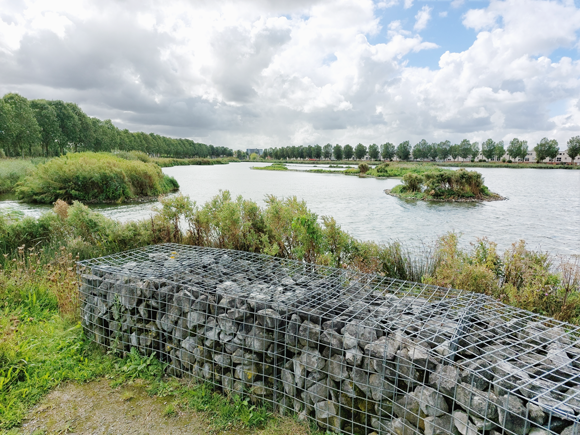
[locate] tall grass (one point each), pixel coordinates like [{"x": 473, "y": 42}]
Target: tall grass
[
  {"x": 12, "y": 171},
  {"x": 93, "y": 177}
]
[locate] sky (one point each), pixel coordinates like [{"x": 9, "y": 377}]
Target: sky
[{"x": 261, "y": 74}]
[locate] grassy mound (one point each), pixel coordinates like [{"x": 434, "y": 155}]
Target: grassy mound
[
  {"x": 94, "y": 177},
  {"x": 272, "y": 167},
  {"x": 444, "y": 185}
]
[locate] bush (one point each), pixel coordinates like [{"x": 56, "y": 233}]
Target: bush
[
  {"x": 12, "y": 171},
  {"x": 93, "y": 177},
  {"x": 363, "y": 168},
  {"x": 383, "y": 168},
  {"x": 412, "y": 182}
]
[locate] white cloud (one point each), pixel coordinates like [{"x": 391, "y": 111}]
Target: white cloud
[
  {"x": 443, "y": 14},
  {"x": 408, "y": 4},
  {"x": 422, "y": 18},
  {"x": 264, "y": 73}
]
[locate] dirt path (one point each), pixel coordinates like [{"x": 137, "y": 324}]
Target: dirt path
[{"x": 96, "y": 408}]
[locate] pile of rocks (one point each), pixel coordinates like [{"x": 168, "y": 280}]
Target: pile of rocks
[{"x": 357, "y": 353}]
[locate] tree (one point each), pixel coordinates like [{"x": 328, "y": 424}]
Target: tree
[
  {"x": 388, "y": 151},
  {"x": 374, "y": 151},
  {"x": 49, "y": 127},
  {"x": 327, "y": 151},
  {"x": 573, "y": 147},
  {"x": 443, "y": 150},
  {"x": 360, "y": 151},
  {"x": 517, "y": 148},
  {"x": 348, "y": 152},
  {"x": 24, "y": 129},
  {"x": 403, "y": 150},
  {"x": 499, "y": 150},
  {"x": 547, "y": 148},
  {"x": 6, "y": 126},
  {"x": 474, "y": 150},
  {"x": 465, "y": 150},
  {"x": 317, "y": 151},
  {"x": 433, "y": 151},
  {"x": 337, "y": 151},
  {"x": 488, "y": 149},
  {"x": 454, "y": 151},
  {"x": 421, "y": 150},
  {"x": 69, "y": 125}
]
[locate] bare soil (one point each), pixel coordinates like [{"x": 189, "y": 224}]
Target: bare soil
[{"x": 96, "y": 408}]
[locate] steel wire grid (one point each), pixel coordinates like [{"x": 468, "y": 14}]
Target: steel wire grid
[{"x": 358, "y": 353}]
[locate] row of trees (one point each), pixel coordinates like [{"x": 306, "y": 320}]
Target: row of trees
[
  {"x": 30, "y": 128},
  {"x": 516, "y": 149}
]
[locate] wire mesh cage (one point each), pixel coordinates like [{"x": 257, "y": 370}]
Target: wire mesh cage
[{"x": 357, "y": 353}]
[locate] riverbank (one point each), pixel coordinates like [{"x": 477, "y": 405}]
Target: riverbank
[{"x": 43, "y": 346}]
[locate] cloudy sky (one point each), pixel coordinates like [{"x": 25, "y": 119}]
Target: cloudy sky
[{"x": 291, "y": 72}]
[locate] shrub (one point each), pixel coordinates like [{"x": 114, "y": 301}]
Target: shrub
[
  {"x": 383, "y": 168},
  {"x": 12, "y": 171},
  {"x": 363, "y": 168},
  {"x": 412, "y": 182},
  {"x": 93, "y": 177}
]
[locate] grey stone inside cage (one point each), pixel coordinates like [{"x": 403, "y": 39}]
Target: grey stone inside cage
[{"x": 357, "y": 353}]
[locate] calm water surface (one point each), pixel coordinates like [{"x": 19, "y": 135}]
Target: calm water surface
[{"x": 543, "y": 206}]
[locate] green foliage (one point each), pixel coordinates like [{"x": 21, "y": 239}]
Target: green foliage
[
  {"x": 363, "y": 168},
  {"x": 360, "y": 151},
  {"x": 574, "y": 147},
  {"x": 54, "y": 128},
  {"x": 403, "y": 151},
  {"x": 412, "y": 182},
  {"x": 547, "y": 148},
  {"x": 337, "y": 152},
  {"x": 93, "y": 177},
  {"x": 518, "y": 149},
  {"x": 272, "y": 167},
  {"x": 382, "y": 169},
  {"x": 348, "y": 152},
  {"x": 140, "y": 366},
  {"x": 488, "y": 149},
  {"x": 387, "y": 151},
  {"x": 43, "y": 352},
  {"x": 12, "y": 171},
  {"x": 421, "y": 150},
  {"x": 374, "y": 152}
]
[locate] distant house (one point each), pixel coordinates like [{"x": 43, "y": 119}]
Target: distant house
[{"x": 251, "y": 151}]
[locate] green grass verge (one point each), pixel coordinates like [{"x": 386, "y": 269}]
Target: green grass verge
[
  {"x": 14, "y": 170},
  {"x": 93, "y": 178}
]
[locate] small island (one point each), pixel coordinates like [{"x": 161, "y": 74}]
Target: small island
[{"x": 444, "y": 186}]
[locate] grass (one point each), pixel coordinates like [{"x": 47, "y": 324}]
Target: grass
[
  {"x": 12, "y": 171},
  {"x": 272, "y": 167},
  {"x": 42, "y": 344},
  {"x": 93, "y": 177}
]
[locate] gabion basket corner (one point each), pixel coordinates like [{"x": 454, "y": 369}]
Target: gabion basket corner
[{"x": 357, "y": 353}]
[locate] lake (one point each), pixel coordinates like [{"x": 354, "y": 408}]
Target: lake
[{"x": 543, "y": 206}]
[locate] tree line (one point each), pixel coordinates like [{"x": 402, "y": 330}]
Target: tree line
[
  {"x": 32, "y": 128},
  {"x": 490, "y": 150}
]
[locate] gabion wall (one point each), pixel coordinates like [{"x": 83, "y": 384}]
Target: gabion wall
[{"x": 355, "y": 352}]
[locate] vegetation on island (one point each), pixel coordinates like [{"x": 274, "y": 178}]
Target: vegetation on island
[
  {"x": 444, "y": 185},
  {"x": 93, "y": 177},
  {"x": 272, "y": 167},
  {"x": 32, "y": 128},
  {"x": 42, "y": 343}
]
